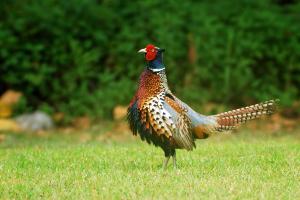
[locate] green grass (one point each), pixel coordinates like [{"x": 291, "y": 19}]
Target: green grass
[{"x": 60, "y": 166}]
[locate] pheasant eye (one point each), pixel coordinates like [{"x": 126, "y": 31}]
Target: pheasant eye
[{"x": 150, "y": 47}]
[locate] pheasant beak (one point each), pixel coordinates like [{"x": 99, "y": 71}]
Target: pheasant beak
[{"x": 142, "y": 50}]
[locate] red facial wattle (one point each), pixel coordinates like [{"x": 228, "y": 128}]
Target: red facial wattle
[{"x": 151, "y": 52}]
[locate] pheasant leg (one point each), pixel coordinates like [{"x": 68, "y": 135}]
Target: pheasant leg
[
  {"x": 166, "y": 162},
  {"x": 174, "y": 161}
]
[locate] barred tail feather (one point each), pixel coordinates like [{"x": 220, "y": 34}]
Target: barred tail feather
[{"x": 231, "y": 119}]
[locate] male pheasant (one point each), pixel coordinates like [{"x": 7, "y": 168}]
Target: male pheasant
[{"x": 162, "y": 119}]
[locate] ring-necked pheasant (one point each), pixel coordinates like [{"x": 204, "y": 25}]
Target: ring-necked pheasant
[{"x": 159, "y": 117}]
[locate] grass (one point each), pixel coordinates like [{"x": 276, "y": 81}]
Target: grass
[{"x": 66, "y": 166}]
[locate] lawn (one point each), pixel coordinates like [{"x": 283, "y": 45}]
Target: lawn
[{"x": 85, "y": 166}]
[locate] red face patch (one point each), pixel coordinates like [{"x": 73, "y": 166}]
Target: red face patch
[{"x": 151, "y": 52}]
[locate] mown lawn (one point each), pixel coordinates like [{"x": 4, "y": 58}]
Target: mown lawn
[{"x": 240, "y": 166}]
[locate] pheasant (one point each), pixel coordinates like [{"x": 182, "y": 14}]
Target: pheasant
[{"x": 162, "y": 119}]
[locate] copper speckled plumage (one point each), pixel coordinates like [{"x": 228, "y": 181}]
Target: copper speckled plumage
[{"x": 160, "y": 118}]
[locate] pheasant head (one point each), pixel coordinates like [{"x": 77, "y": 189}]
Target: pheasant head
[{"x": 153, "y": 57}]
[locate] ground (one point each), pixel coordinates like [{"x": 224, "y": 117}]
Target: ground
[{"x": 95, "y": 165}]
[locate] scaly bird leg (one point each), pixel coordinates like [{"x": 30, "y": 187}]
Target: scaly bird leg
[
  {"x": 166, "y": 162},
  {"x": 174, "y": 160}
]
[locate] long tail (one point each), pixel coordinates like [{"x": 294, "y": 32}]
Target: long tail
[{"x": 232, "y": 119}]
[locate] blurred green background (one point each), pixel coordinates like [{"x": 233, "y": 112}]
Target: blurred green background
[{"x": 79, "y": 57}]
